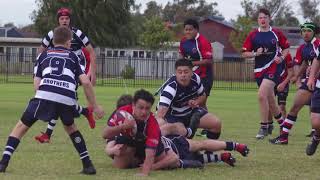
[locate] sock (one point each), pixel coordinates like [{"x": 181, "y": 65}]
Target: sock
[
  {"x": 270, "y": 123},
  {"x": 213, "y": 135},
  {"x": 264, "y": 125},
  {"x": 84, "y": 111},
  {"x": 279, "y": 119},
  {"x": 316, "y": 138},
  {"x": 189, "y": 133},
  {"x": 287, "y": 124},
  {"x": 50, "y": 127},
  {"x": 80, "y": 146},
  {"x": 208, "y": 157},
  {"x": 11, "y": 146},
  {"x": 230, "y": 146}
]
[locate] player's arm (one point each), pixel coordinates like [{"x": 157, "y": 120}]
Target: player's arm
[
  {"x": 166, "y": 97},
  {"x": 45, "y": 42},
  {"x": 206, "y": 52},
  {"x": 112, "y": 130},
  {"x": 161, "y": 112},
  {"x": 41, "y": 49},
  {"x": 170, "y": 160},
  {"x": 148, "y": 161},
  {"x": 88, "y": 90},
  {"x": 313, "y": 73},
  {"x": 299, "y": 70},
  {"x": 202, "y": 62},
  {"x": 92, "y": 69},
  {"x": 36, "y": 82}
]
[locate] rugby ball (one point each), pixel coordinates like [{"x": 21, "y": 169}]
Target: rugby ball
[{"x": 120, "y": 117}]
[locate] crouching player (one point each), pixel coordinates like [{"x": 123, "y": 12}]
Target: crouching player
[
  {"x": 136, "y": 129},
  {"x": 180, "y": 103}
]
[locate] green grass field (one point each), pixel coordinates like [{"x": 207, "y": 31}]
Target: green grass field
[{"x": 237, "y": 110}]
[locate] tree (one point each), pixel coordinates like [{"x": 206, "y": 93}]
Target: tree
[
  {"x": 10, "y": 24},
  {"x": 280, "y": 11},
  {"x": 243, "y": 26},
  {"x": 153, "y": 9},
  {"x": 310, "y": 10},
  {"x": 155, "y": 35},
  {"x": 180, "y": 10},
  {"x": 105, "y": 22}
]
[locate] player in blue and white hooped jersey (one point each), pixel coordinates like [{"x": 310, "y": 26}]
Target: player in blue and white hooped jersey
[
  {"x": 181, "y": 97},
  {"x": 55, "y": 83},
  {"x": 79, "y": 41}
]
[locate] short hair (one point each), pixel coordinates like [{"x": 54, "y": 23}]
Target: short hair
[
  {"x": 123, "y": 100},
  {"x": 191, "y": 22},
  {"x": 183, "y": 62},
  {"x": 144, "y": 95},
  {"x": 264, "y": 11},
  {"x": 61, "y": 35}
]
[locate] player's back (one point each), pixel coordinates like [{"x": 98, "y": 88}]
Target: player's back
[{"x": 59, "y": 71}]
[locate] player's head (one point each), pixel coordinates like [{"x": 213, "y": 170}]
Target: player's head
[
  {"x": 308, "y": 31},
  {"x": 125, "y": 99},
  {"x": 191, "y": 28},
  {"x": 62, "y": 36},
  {"x": 64, "y": 16},
  {"x": 264, "y": 18},
  {"x": 142, "y": 104},
  {"x": 183, "y": 71}
]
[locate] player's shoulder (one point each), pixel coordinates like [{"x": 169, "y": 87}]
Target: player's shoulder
[{"x": 196, "y": 78}]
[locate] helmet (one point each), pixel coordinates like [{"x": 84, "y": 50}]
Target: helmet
[{"x": 63, "y": 12}]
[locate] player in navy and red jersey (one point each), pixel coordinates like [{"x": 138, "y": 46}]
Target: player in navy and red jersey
[
  {"x": 304, "y": 58},
  {"x": 55, "y": 81},
  {"x": 82, "y": 47},
  {"x": 197, "y": 48},
  {"x": 314, "y": 85},
  {"x": 142, "y": 147},
  {"x": 282, "y": 89},
  {"x": 269, "y": 47}
]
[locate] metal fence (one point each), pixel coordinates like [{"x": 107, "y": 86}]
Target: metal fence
[{"x": 133, "y": 72}]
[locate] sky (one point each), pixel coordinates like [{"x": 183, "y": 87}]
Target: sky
[{"x": 19, "y": 11}]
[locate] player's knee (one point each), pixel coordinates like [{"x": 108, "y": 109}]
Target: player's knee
[
  {"x": 71, "y": 128},
  {"x": 213, "y": 134},
  {"x": 262, "y": 97},
  {"x": 120, "y": 164}
]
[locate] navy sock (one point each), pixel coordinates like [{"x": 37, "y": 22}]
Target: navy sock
[
  {"x": 50, "y": 127},
  {"x": 11, "y": 146},
  {"x": 230, "y": 146},
  {"x": 80, "y": 146}
]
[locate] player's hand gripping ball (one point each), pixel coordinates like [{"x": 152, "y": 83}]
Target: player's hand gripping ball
[{"x": 127, "y": 120}]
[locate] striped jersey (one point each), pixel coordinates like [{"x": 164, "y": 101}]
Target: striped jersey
[
  {"x": 79, "y": 40},
  {"x": 176, "y": 97},
  {"x": 59, "y": 70}
]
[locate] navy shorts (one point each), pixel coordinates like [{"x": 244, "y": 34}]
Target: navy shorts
[
  {"x": 305, "y": 87},
  {"x": 315, "y": 101},
  {"x": 185, "y": 119},
  {"x": 207, "y": 84},
  {"x": 180, "y": 146},
  {"x": 46, "y": 111},
  {"x": 282, "y": 96},
  {"x": 275, "y": 77}
]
